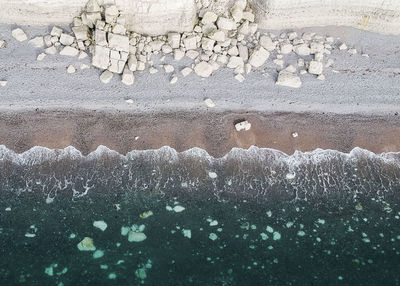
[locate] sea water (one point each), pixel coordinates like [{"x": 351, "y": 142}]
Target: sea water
[{"x": 159, "y": 217}]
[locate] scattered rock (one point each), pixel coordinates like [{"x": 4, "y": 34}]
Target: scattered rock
[
  {"x": 106, "y": 76},
  {"x": 71, "y": 69},
  {"x": 19, "y": 35},
  {"x": 209, "y": 102},
  {"x": 203, "y": 69},
  {"x": 173, "y": 80},
  {"x": 315, "y": 68},
  {"x": 3, "y": 44},
  {"x": 288, "y": 79},
  {"x": 136, "y": 236},
  {"x": 66, "y": 39},
  {"x": 239, "y": 77},
  {"x": 37, "y": 42},
  {"x": 69, "y": 51},
  {"x": 41, "y": 56},
  {"x": 3, "y": 83},
  {"x": 146, "y": 214},
  {"x": 186, "y": 71},
  {"x": 100, "y": 224},
  {"x": 178, "y": 209},
  {"x": 86, "y": 244},
  {"x": 127, "y": 76},
  {"x": 56, "y": 32},
  {"x": 258, "y": 57},
  {"x": 244, "y": 125}
]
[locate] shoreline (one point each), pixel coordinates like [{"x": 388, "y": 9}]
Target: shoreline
[{"x": 212, "y": 131}]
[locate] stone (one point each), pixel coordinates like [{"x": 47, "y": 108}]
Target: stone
[
  {"x": 207, "y": 44},
  {"x": 173, "y": 80},
  {"x": 101, "y": 57},
  {"x": 116, "y": 66},
  {"x": 178, "y": 55},
  {"x": 127, "y": 76},
  {"x": 190, "y": 43},
  {"x": 226, "y": 24},
  {"x": 291, "y": 69},
  {"x": 93, "y": 6},
  {"x": 239, "y": 77},
  {"x": 258, "y": 57},
  {"x": 248, "y": 16},
  {"x": 209, "y": 102},
  {"x": 168, "y": 68},
  {"x": 3, "y": 83},
  {"x": 235, "y": 62},
  {"x": 141, "y": 66},
  {"x": 315, "y": 68},
  {"x": 321, "y": 77},
  {"x": 82, "y": 55},
  {"x": 81, "y": 33},
  {"x": 186, "y": 71},
  {"x": 106, "y": 76},
  {"x": 136, "y": 236},
  {"x": 267, "y": 43},
  {"x": 233, "y": 51},
  {"x": 203, "y": 69},
  {"x": 237, "y": 13},
  {"x": 288, "y": 79},
  {"x": 19, "y": 35},
  {"x": 71, "y": 69},
  {"x": 132, "y": 63},
  {"x": 243, "y": 52},
  {"x": 316, "y": 47},
  {"x": 55, "y": 31},
  {"x": 66, "y": 39},
  {"x": 156, "y": 45},
  {"x": 118, "y": 42},
  {"x": 86, "y": 244},
  {"x": 51, "y": 50},
  {"x": 166, "y": 49},
  {"x": 244, "y": 29},
  {"x": 217, "y": 35},
  {"x": 153, "y": 70},
  {"x": 209, "y": 18},
  {"x": 302, "y": 50},
  {"x": 174, "y": 40},
  {"x": 243, "y": 125},
  {"x": 119, "y": 29},
  {"x": 84, "y": 66},
  {"x": 111, "y": 13},
  {"x": 286, "y": 48},
  {"x": 41, "y": 56},
  {"x": 47, "y": 40},
  {"x": 100, "y": 38},
  {"x": 100, "y": 224},
  {"x": 69, "y": 51},
  {"x": 192, "y": 54},
  {"x": 37, "y": 42}
]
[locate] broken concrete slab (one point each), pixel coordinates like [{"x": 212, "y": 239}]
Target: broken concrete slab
[
  {"x": 118, "y": 42},
  {"x": 66, "y": 39},
  {"x": 101, "y": 57},
  {"x": 69, "y": 51},
  {"x": 19, "y": 35},
  {"x": 258, "y": 57},
  {"x": 288, "y": 79}
]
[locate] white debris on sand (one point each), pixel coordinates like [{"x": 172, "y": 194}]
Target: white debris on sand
[
  {"x": 71, "y": 69},
  {"x": 100, "y": 224},
  {"x": 212, "y": 175},
  {"x": 37, "y": 42},
  {"x": 178, "y": 209},
  {"x": 209, "y": 102},
  {"x": 19, "y": 35},
  {"x": 106, "y": 76},
  {"x": 243, "y": 125},
  {"x": 3, "y": 83},
  {"x": 203, "y": 69},
  {"x": 41, "y": 56},
  {"x": 288, "y": 79}
]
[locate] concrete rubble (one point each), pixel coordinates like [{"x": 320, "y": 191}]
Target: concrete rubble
[{"x": 228, "y": 39}]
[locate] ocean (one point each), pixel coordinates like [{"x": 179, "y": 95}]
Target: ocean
[{"x": 159, "y": 217}]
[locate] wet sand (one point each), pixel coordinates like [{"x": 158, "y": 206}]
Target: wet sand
[{"x": 125, "y": 131}]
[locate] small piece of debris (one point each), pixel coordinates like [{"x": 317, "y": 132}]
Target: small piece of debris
[
  {"x": 136, "y": 236},
  {"x": 19, "y": 35},
  {"x": 106, "y": 76},
  {"x": 100, "y": 224},
  {"x": 86, "y": 244},
  {"x": 146, "y": 214},
  {"x": 71, "y": 69},
  {"x": 3, "y": 83},
  {"x": 209, "y": 102},
  {"x": 244, "y": 125},
  {"x": 41, "y": 56}
]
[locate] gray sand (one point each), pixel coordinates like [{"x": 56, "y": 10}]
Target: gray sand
[{"x": 364, "y": 85}]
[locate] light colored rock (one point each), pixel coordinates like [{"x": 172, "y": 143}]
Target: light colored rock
[
  {"x": 100, "y": 224},
  {"x": 186, "y": 71},
  {"x": 226, "y": 24},
  {"x": 116, "y": 66},
  {"x": 136, "y": 236},
  {"x": 178, "y": 55},
  {"x": 19, "y": 35},
  {"x": 343, "y": 47},
  {"x": 118, "y": 42},
  {"x": 127, "y": 76},
  {"x": 209, "y": 102},
  {"x": 51, "y": 50},
  {"x": 315, "y": 68},
  {"x": 217, "y": 35},
  {"x": 302, "y": 50},
  {"x": 47, "y": 40},
  {"x": 173, "y": 80},
  {"x": 288, "y": 79},
  {"x": 81, "y": 33},
  {"x": 41, "y": 56},
  {"x": 243, "y": 125},
  {"x": 69, "y": 51},
  {"x": 243, "y": 52},
  {"x": 111, "y": 13},
  {"x": 203, "y": 69},
  {"x": 190, "y": 43},
  {"x": 209, "y": 18},
  {"x": 100, "y": 38},
  {"x": 258, "y": 57},
  {"x": 169, "y": 68},
  {"x": 56, "y": 31},
  {"x": 174, "y": 40},
  {"x": 119, "y": 29},
  {"x": 207, "y": 44},
  {"x": 3, "y": 83},
  {"x": 66, "y": 39},
  {"x": 132, "y": 63},
  {"x": 239, "y": 77},
  {"x": 84, "y": 66},
  {"x": 106, "y": 76},
  {"x": 86, "y": 244},
  {"x": 321, "y": 77},
  {"x": 237, "y": 12},
  {"x": 153, "y": 70},
  {"x": 37, "y": 42},
  {"x": 235, "y": 62},
  {"x": 71, "y": 69},
  {"x": 192, "y": 54},
  {"x": 82, "y": 55},
  {"x": 101, "y": 57},
  {"x": 267, "y": 43},
  {"x": 286, "y": 48}
]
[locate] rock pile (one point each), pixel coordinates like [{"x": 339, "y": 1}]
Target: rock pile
[{"x": 229, "y": 38}]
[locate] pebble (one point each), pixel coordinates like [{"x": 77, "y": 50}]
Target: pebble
[
  {"x": 71, "y": 69},
  {"x": 136, "y": 236},
  {"x": 41, "y": 56},
  {"x": 19, "y": 35},
  {"x": 315, "y": 68},
  {"x": 51, "y": 50},
  {"x": 288, "y": 79},
  {"x": 86, "y": 244},
  {"x": 3, "y": 44},
  {"x": 203, "y": 69},
  {"x": 186, "y": 71},
  {"x": 106, "y": 76},
  {"x": 173, "y": 80},
  {"x": 169, "y": 68},
  {"x": 178, "y": 209},
  {"x": 3, "y": 83},
  {"x": 100, "y": 224},
  {"x": 212, "y": 175},
  {"x": 244, "y": 125},
  {"x": 209, "y": 102},
  {"x": 239, "y": 77}
]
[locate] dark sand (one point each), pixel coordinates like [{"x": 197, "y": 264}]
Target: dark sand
[{"x": 214, "y": 132}]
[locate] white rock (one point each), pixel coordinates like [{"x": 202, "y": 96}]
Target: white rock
[
  {"x": 321, "y": 77},
  {"x": 237, "y": 13},
  {"x": 286, "y": 48},
  {"x": 178, "y": 209},
  {"x": 81, "y": 33},
  {"x": 235, "y": 62},
  {"x": 279, "y": 62},
  {"x": 37, "y": 42},
  {"x": 267, "y": 43},
  {"x": 111, "y": 13},
  {"x": 141, "y": 66},
  {"x": 47, "y": 40},
  {"x": 118, "y": 42},
  {"x": 192, "y": 54},
  {"x": 343, "y": 47},
  {"x": 136, "y": 236},
  {"x": 66, "y": 39},
  {"x": 226, "y": 24},
  {"x": 190, "y": 43},
  {"x": 302, "y": 50},
  {"x": 82, "y": 55},
  {"x": 153, "y": 70},
  {"x": 209, "y": 103},
  {"x": 41, "y": 56},
  {"x": 291, "y": 69},
  {"x": 106, "y": 76},
  {"x": 187, "y": 233},
  {"x": 132, "y": 63},
  {"x": 119, "y": 29},
  {"x": 51, "y": 50},
  {"x": 247, "y": 15},
  {"x": 178, "y": 55},
  {"x": 329, "y": 63},
  {"x": 173, "y": 80},
  {"x": 69, "y": 51},
  {"x": 169, "y": 68},
  {"x": 258, "y": 57},
  {"x": 56, "y": 32},
  {"x": 100, "y": 38},
  {"x": 207, "y": 44},
  {"x": 100, "y": 224},
  {"x": 288, "y": 79},
  {"x": 19, "y": 35},
  {"x": 166, "y": 49},
  {"x": 217, "y": 35},
  {"x": 127, "y": 76},
  {"x": 71, "y": 69},
  {"x": 174, "y": 40},
  {"x": 84, "y": 67},
  {"x": 315, "y": 68},
  {"x": 156, "y": 45},
  {"x": 243, "y": 52},
  {"x": 3, "y": 83},
  {"x": 116, "y": 66},
  {"x": 98, "y": 254},
  {"x": 212, "y": 175},
  {"x": 244, "y": 125},
  {"x": 186, "y": 71},
  {"x": 209, "y": 18},
  {"x": 316, "y": 47},
  {"x": 86, "y": 245},
  {"x": 203, "y": 69},
  {"x": 213, "y": 236},
  {"x": 239, "y": 77},
  {"x": 101, "y": 57}
]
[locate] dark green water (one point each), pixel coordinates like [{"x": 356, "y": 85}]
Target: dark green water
[{"x": 263, "y": 218}]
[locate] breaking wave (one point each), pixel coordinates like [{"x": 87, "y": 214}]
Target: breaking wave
[{"x": 255, "y": 173}]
